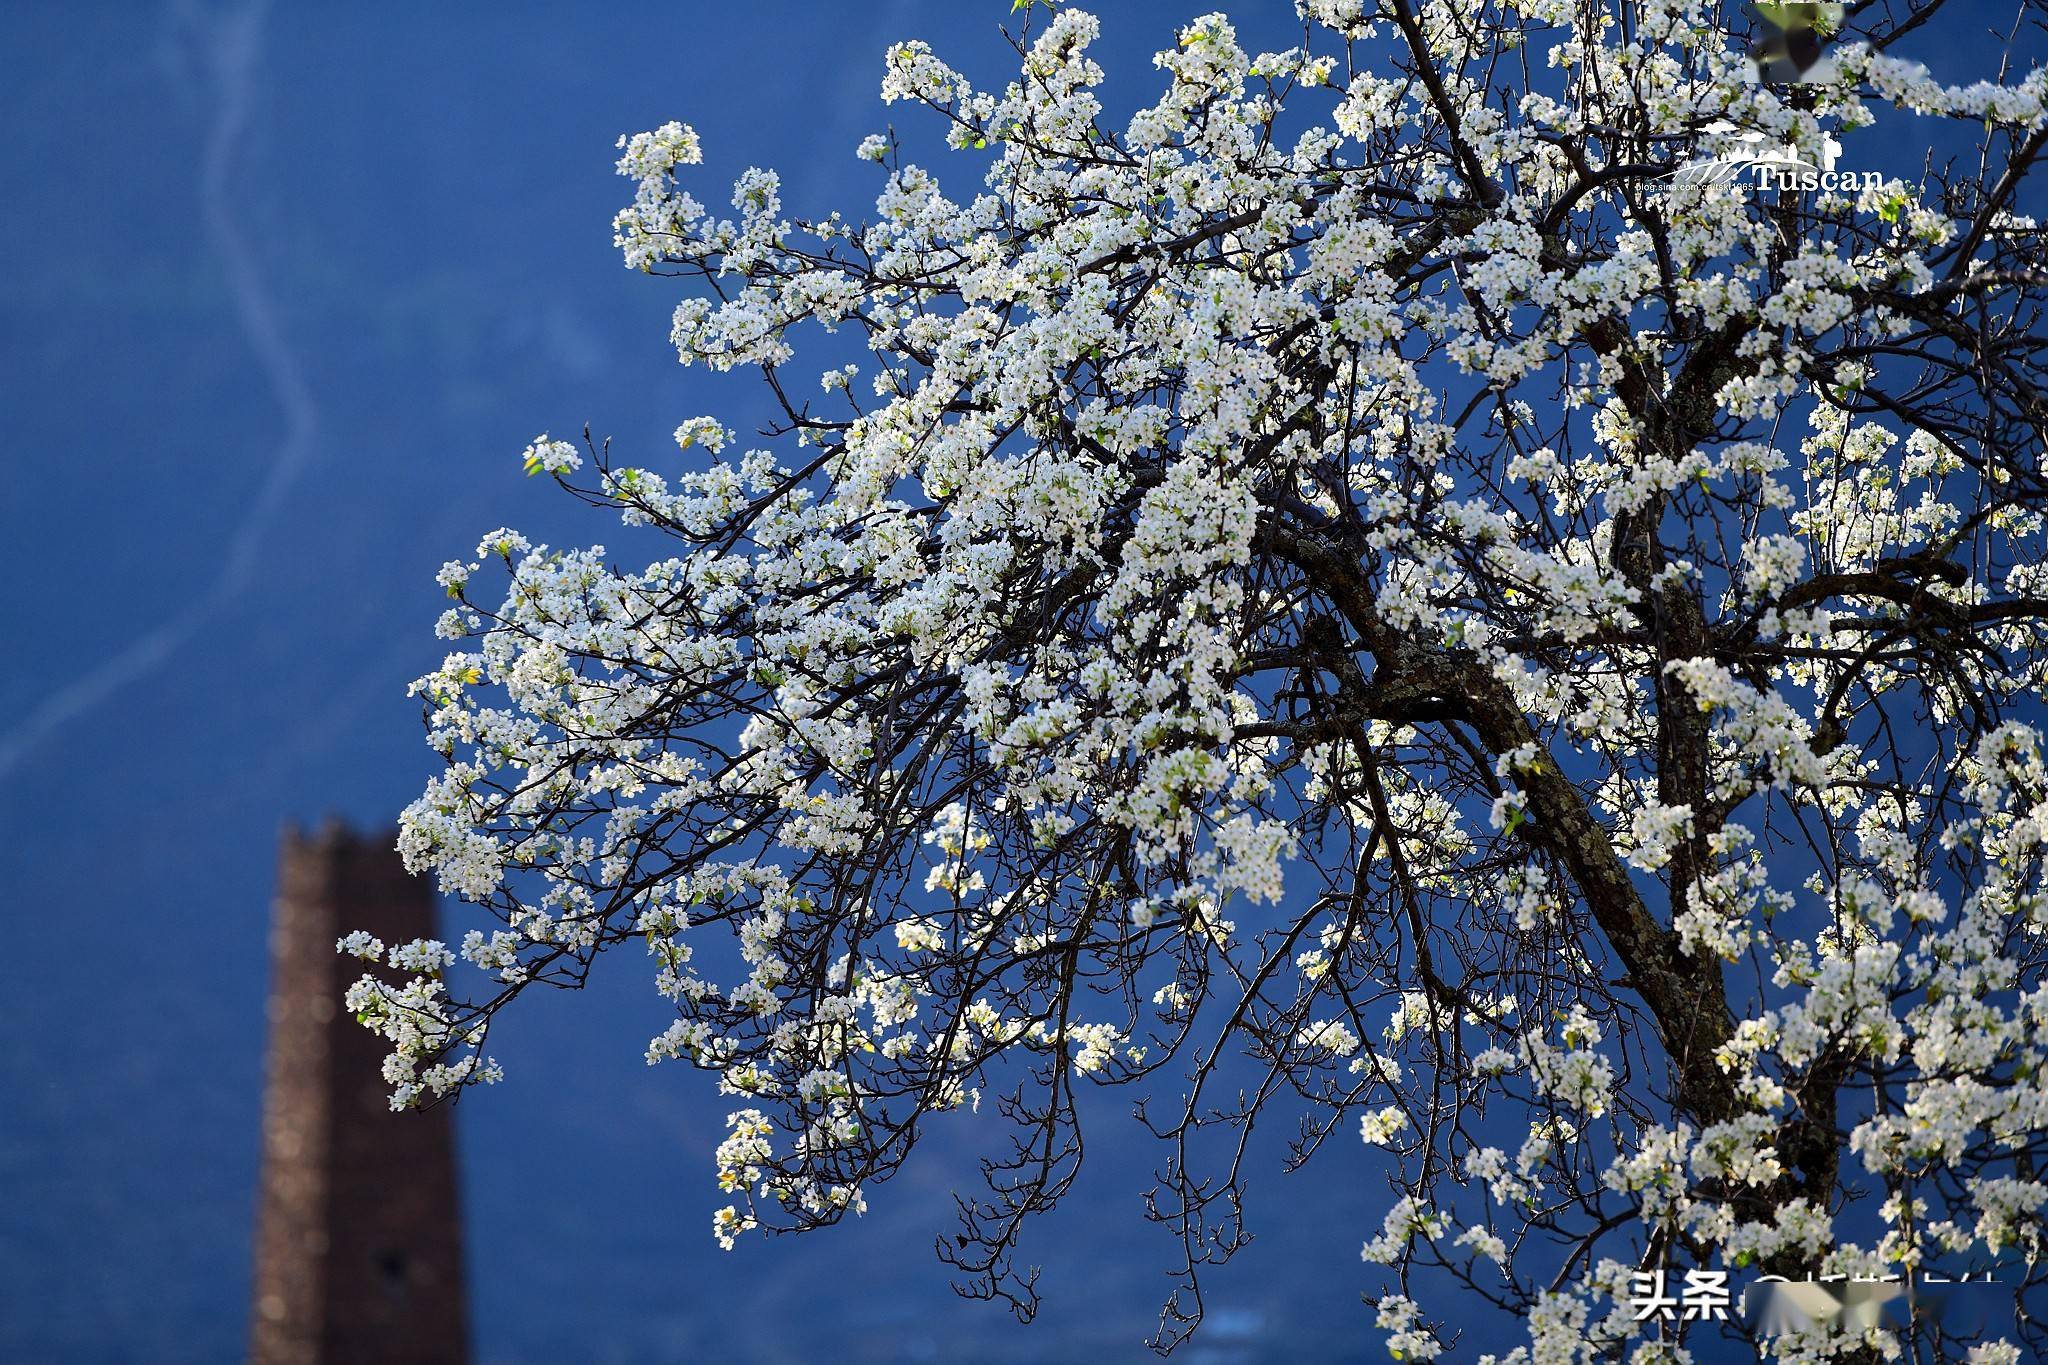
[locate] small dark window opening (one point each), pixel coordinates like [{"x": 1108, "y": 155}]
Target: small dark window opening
[{"x": 393, "y": 1272}]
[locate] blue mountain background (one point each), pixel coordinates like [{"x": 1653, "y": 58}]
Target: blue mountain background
[{"x": 285, "y": 293}]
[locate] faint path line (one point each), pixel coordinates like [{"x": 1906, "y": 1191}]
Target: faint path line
[{"x": 230, "y": 43}]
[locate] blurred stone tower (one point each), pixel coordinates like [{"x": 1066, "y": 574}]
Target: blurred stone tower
[{"x": 358, "y": 1238}]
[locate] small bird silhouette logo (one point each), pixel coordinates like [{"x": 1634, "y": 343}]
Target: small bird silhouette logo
[
  {"x": 1793, "y": 48},
  {"x": 1753, "y": 154}
]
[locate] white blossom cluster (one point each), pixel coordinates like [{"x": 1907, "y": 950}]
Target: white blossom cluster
[{"x": 1348, "y": 556}]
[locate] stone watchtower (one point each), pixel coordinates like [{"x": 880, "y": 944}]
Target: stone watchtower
[{"x": 358, "y": 1236}]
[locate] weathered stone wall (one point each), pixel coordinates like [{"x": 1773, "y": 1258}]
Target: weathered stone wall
[{"x": 358, "y": 1241}]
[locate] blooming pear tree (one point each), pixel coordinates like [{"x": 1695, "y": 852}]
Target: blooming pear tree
[{"x": 1362, "y": 596}]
